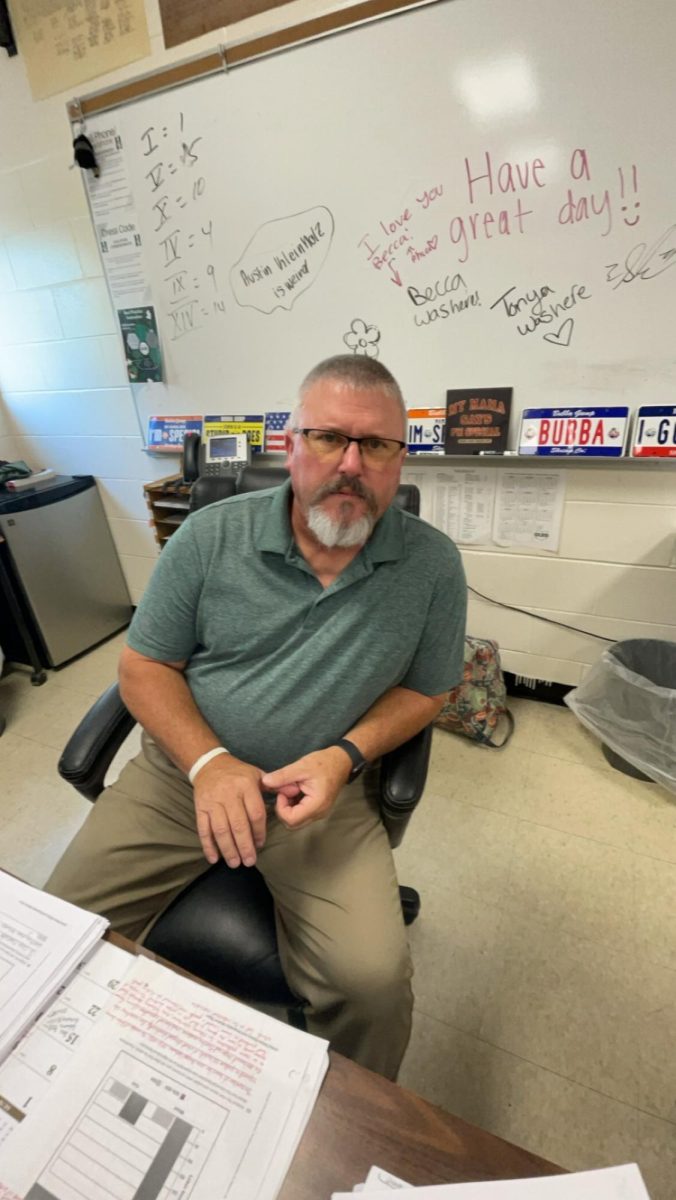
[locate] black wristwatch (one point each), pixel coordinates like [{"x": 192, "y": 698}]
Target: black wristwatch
[{"x": 359, "y": 763}]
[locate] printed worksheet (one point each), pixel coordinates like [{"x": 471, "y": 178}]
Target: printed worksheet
[
  {"x": 37, "y": 1062},
  {"x": 609, "y": 1183},
  {"x": 186, "y": 1093},
  {"x": 464, "y": 498},
  {"x": 42, "y": 940},
  {"x": 379, "y": 1180},
  {"x": 529, "y": 509}
]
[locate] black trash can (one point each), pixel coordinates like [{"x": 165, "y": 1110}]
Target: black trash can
[{"x": 628, "y": 699}]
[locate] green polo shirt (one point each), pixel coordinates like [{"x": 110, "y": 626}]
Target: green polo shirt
[{"x": 279, "y": 665}]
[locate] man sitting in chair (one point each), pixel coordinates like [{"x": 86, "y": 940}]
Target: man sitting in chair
[{"x": 286, "y": 640}]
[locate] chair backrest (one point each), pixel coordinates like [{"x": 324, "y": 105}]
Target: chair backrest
[{"x": 210, "y": 488}]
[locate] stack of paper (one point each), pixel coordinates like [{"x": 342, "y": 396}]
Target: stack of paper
[
  {"x": 39, "y": 1059},
  {"x": 42, "y": 940},
  {"x": 176, "y": 1090},
  {"x": 609, "y": 1183}
]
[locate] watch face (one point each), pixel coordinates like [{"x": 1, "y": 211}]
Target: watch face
[{"x": 356, "y": 771}]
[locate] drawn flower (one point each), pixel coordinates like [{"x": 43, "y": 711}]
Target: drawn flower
[{"x": 363, "y": 338}]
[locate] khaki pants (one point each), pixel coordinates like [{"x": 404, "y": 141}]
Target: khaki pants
[{"x": 341, "y": 935}]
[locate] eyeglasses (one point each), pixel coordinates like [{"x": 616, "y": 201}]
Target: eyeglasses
[{"x": 328, "y": 444}]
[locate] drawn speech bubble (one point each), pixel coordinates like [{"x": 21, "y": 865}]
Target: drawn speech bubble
[{"x": 282, "y": 260}]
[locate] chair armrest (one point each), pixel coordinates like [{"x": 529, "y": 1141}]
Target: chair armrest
[
  {"x": 402, "y": 780},
  {"x": 96, "y": 741}
]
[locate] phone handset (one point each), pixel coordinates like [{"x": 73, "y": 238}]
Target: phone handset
[{"x": 191, "y": 456}]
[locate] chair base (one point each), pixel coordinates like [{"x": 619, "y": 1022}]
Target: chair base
[{"x": 410, "y": 904}]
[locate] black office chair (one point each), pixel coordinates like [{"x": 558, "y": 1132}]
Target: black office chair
[{"x": 222, "y": 926}]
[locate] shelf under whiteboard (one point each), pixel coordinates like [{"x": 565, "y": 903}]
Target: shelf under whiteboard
[{"x": 553, "y": 460}]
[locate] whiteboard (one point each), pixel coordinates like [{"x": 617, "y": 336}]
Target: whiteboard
[{"x": 480, "y": 194}]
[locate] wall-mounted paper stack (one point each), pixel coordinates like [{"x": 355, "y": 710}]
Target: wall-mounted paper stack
[
  {"x": 42, "y": 940},
  {"x": 608, "y": 1183}
]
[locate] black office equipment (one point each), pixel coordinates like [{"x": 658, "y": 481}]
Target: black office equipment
[{"x": 84, "y": 155}]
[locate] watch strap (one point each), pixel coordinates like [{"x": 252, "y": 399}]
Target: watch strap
[{"x": 356, "y": 757}]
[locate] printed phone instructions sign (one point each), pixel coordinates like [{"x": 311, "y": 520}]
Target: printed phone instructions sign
[{"x": 591, "y": 432}]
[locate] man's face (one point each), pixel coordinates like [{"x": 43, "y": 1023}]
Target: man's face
[{"x": 340, "y": 497}]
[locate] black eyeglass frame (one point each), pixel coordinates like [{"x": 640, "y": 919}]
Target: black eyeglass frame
[{"x": 371, "y": 437}]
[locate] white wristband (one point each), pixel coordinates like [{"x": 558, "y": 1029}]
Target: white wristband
[{"x": 203, "y": 760}]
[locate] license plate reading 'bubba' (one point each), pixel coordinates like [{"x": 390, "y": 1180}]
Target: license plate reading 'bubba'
[
  {"x": 655, "y": 432},
  {"x": 594, "y": 432}
]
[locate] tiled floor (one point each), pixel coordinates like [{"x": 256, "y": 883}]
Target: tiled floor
[{"x": 546, "y": 948}]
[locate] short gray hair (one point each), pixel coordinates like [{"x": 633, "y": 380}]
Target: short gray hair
[{"x": 356, "y": 370}]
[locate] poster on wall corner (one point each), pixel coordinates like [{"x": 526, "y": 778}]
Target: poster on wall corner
[{"x": 141, "y": 344}]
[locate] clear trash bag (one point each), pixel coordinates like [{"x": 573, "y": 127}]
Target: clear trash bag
[{"x": 628, "y": 699}]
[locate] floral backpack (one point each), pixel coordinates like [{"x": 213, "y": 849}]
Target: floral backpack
[{"x": 477, "y": 705}]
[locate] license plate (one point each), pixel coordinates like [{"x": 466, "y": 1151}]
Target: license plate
[
  {"x": 655, "y": 432},
  {"x": 581, "y": 432},
  {"x": 426, "y": 430}
]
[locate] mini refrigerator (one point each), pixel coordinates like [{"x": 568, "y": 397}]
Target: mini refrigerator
[{"x": 61, "y": 583}]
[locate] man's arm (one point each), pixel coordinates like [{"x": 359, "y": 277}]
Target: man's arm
[
  {"x": 394, "y": 718},
  {"x": 156, "y": 693},
  {"x": 312, "y": 783},
  {"x": 229, "y": 808}
]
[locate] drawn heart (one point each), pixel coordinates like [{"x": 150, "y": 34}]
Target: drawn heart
[{"x": 564, "y": 334}]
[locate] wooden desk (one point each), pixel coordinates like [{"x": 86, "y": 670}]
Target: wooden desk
[{"x": 361, "y": 1119}]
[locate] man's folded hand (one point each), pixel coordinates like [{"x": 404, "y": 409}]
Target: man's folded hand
[{"x": 307, "y": 788}]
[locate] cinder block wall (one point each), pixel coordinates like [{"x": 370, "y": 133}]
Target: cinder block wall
[{"x": 65, "y": 403}]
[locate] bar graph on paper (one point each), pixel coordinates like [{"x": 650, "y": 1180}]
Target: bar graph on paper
[{"x": 133, "y": 1140}]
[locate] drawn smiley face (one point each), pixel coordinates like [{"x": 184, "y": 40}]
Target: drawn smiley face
[{"x": 636, "y": 219}]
